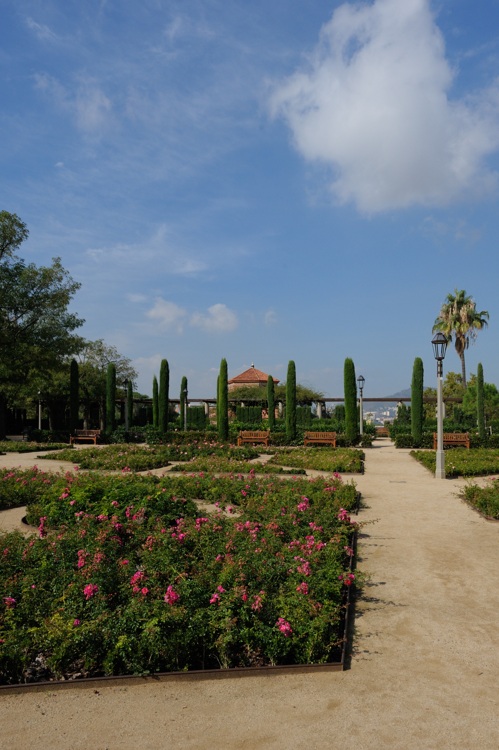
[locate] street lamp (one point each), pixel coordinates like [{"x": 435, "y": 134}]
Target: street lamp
[
  {"x": 361, "y": 380},
  {"x": 39, "y": 410},
  {"x": 439, "y": 343}
]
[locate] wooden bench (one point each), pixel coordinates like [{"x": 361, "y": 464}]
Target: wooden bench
[
  {"x": 453, "y": 439},
  {"x": 382, "y": 432},
  {"x": 253, "y": 436},
  {"x": 320, "y": 438},
  {"x": 90, "y": 435}
]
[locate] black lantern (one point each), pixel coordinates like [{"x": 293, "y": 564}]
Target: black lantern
[
  {"x": 439, "y": 343},
  {"x": 361, "y": 380}
]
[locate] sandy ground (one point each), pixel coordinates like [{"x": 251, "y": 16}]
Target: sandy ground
[{"x": 424, "y": 671}]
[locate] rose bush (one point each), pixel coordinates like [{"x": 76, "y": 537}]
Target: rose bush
[{"x": 126, "y": 575}]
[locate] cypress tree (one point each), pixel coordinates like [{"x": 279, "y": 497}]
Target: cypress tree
[
  {"x": 183, "y": 405},
  {"x": 164, "y": 387},
  {"x": 291, "y": 401},
  {"x": 74, "y": 395},
  {"x": 351, "y": 411},
  {"x": 271, "y": 401},
  {"x": 480, "y": 403},
  {"x": 155, "y": 404},
  {"x": 417, "y": 413},
  {"x": 111, "y": 398},
  {"x": 129, "y": 403},
  {"x": 223, "y": 402}
]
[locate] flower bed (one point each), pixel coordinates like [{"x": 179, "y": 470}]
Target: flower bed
[
  {"x": 144, "y": 458},
  {"x": 133, "y": 579},
  {"x": 346, "y": 460},
  {"x": 483, "y": 499},
  {"x": 20, "y": 446},
  {"x": 460, "y": 462}
]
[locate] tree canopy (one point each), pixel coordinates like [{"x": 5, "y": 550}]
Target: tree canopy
[{"x": 459, "y": 320}]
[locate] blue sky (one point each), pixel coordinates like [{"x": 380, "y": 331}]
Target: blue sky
[{"x": 259, "y": 181}]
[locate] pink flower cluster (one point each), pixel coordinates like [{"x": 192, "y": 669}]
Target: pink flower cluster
[
  {"x": 284, "y": 627},
  {"x": 90, "y": 590},
  {"x": 215, "y": 599},
  {"x": 171, "y": 596},
  {"x": 41, "y": 528},
  {"x": 304, "y": 504},
  {"x": 9, "y": 602},
  {"x": 347, "y": 579}
]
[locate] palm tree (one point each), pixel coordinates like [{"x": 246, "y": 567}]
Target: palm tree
[{"x": 460, "y": 319}]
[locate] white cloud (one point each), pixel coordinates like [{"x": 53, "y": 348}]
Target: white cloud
[
  {"x": 217, "y": 319},
  {"x": 168, "y": 315},
  {"x": 43, "y": 32},
  {"x": 270, "y": 317},
  {"x": 374, "y": 105},
  {"x": 89, "y": 106}
]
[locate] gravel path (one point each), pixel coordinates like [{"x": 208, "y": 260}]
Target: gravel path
[{"x": 424, "y": 670}]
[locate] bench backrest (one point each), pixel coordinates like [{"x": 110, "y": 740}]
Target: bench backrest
[
  {"x": 254, "y": 433},
  {"x": 320, "y": 434},
  {"x": 87, "y": 433}
]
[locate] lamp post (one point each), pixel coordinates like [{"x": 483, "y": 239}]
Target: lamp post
[
  {"x": 439, "y": 343},
  {"x": 39, "y": 410},
  {"x": 361, "y": 380},
  {"x": 185, "y": 407}
]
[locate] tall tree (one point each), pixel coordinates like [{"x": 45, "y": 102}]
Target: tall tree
[
  {"x": 183, "y": 404},
  {"x": 164, "y": 388},
  {"x": 480, "y": 403},
  {"x": 13, "y": 232},
  {"x": 74, "y": 395},
  {"x": 417, "y": 411},
  {"x": 291, "y": 401},
  {"x": 129, "y": 403},
  {"x": 93, "y": 361},
  {"x": 459, "y": 320},
  {"x": 36, "y": 329},
  {"x": 155, "y": 402},
  {"x": 223, "y": 402},
  {"x": 111, "y": 397},
  {"x": 271, "y": 401},
  {"x": 351, "y": 411}
]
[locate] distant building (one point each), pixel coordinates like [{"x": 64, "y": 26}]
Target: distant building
[{"x": 250, "y": 377}]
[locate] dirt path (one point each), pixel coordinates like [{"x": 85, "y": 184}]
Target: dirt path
[{"x": 424, "y": 671}]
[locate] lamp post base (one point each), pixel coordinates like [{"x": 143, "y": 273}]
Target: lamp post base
[{"x": 440, "y": 465}]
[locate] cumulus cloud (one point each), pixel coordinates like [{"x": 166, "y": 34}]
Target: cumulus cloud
[
  {"x": 168, "y": 315},
  {"x": 217, "y": 319},
  {"x": 374, "y": 105}
]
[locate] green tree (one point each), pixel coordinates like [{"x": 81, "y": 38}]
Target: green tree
[
  {"x": 223, "y": 402},
  {"x": 111, "y": 397},
  {"x": 480, "y": 403},
  {"x": 351, "y": 411},
  {"x": 129, "y": 403},
  {"x": 271, "y": 402},
  {"x": 13, "y": 232},
  {"x": 93, "y": 362},
  {"x": 183, "y": 405},
  {"x": 417, "y": 413},
  {"x": 36, "y": 328},
  {"x": 155, "y": 402},
  {"x": 74, "y": 395},
  {"x": 459, "y": 320},
  {"x": 291, "y": 401},
  {"x": 164, "y": 388}
]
